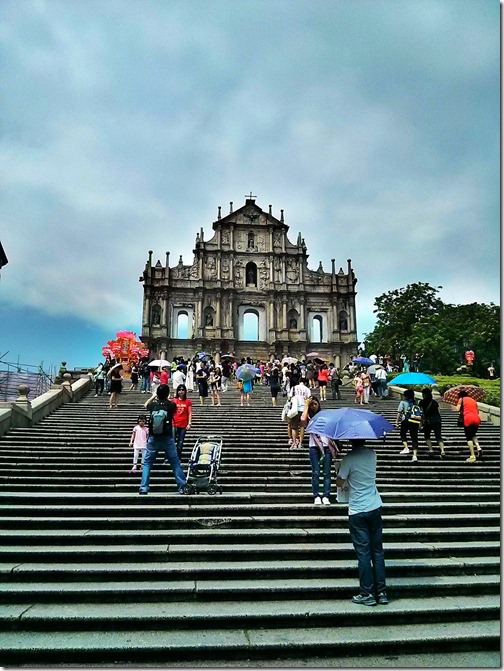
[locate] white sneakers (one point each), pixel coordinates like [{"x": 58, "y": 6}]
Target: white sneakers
[
  {"x": 414, "y": 458},
  {"x": 326, "y": 501},
  {"x": 405, "y": 451},
  {"x": 318, "y": 501}
]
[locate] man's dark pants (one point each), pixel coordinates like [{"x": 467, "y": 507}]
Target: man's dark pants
[{"x": 366, "y": 534}]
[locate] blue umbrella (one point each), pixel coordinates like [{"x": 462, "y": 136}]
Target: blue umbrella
[
  {"x": 412, "y": 378},
  {"x": 363, "y": 360},
  {"x": 349, "y": 423},
  {"x": 202, "y": 355},
  {"x": 246, "y": 372}
]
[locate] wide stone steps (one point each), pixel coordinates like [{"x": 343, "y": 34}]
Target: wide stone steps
[
  {"x": 91, "y": 573},
  {"x": 292, "y": 642}
]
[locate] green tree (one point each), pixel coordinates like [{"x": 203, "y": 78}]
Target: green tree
[
  {"x": 415, "y": 320},
  {"x": 397, "y": 313}
]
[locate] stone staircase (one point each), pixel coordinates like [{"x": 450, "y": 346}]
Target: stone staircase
[{"x": 93, "y": 574}]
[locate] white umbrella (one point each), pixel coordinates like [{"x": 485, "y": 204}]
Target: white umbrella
[
  {"x": 160, "y": 363},
  {"x": 289, "y": 359}
]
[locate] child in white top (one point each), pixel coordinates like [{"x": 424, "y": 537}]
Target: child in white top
[{"x": 138, "y": 440}]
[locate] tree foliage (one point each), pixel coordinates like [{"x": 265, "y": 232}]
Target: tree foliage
[{"x": 415, "y": 320}]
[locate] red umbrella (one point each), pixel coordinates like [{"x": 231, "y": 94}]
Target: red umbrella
[{"x": 452, "y": 395}]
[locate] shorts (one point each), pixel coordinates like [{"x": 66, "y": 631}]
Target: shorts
[
  {"x": 322, "y": 383},
  {"x": 470, "y": 431},
  {"x": 295, "y": 422},
  {"x": 274, "y": 390}
]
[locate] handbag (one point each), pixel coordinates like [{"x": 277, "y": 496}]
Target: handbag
[
  {"x": 285, "y": 410},
  {"x": 460, "y": 420},
  {"x": 292, "y": 411}
]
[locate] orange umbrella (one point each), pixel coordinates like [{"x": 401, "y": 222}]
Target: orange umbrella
[{"x": 452, "y": 395}]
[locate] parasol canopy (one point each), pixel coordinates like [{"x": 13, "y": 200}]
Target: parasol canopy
[
  {"x": 349, "y": 423},
  {"x": 452, "y": 395},
  {"x": 363, "y": 360},
  {"x": 246, "y": 372},
  {"x": 412, "y": 378},
  {"x": 289, "y": 360},
  {"x": 160, "y": 363}
]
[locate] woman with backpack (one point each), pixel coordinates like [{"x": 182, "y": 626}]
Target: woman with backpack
[
  {"x": 431, "y": 421},
  {"x": 409, "y": 416}
]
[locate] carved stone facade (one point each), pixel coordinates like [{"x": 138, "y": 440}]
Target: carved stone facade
[{"x": 249, "y": 266}]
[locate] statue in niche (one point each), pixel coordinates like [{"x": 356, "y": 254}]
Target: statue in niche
[
  {"x": 238, "y": 273},
  {"x": 343, "y": 321},
  {"x": 209, "y": 318},
  {"x": 292, "y": 271},
  {"x": 225, "y": 237},
  {"x": 250, "y": 276},
  {"x": 225, "y": 268},
  {"x": 156, "y": 315},
  {"x": 277, "y": 239},
  {"x": 210, "y": 268},
  {"x": 277, "y": 267},
  {"x": 250, "y": 242},
  {"x": 239, "y": 240},
  {"x": 293, "y": 323},
  {"x": 264, "y": 276}
]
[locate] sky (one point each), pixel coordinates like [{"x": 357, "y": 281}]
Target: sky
[{"x": 374, "y": 125}]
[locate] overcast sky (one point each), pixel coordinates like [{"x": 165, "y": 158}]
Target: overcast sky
[{"x": 374, "y": 125}]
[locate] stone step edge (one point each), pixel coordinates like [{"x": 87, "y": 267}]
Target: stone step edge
[{"x": 173, "y": 643}]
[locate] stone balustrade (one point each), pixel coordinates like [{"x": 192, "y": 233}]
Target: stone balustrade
[{"x": 23, "y": 413}]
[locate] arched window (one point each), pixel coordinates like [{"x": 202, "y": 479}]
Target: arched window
[
  {"x": 251, "y": 274},
  {"x": 317, "y": 329},
  {"x": 343, "y": 320},
  {"x": 156, "y": 315},
  {"x": 182, "y": 325},
  {"x": 251, "y": 325},
  {"x": 209, "y": 316},
  {"x": 292, "y": 319}
]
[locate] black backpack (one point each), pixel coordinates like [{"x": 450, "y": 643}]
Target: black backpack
[{"x": 145, "y": 370}]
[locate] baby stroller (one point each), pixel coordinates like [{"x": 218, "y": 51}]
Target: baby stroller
[{"x": 204, "y": 466}]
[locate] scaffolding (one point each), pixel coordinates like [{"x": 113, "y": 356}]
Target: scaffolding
[{"x": 14, "y": 374}]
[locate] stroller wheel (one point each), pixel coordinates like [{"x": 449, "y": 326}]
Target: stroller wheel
[
  {"x": 212, "y": 489},
  {"x": 190, "y": 489}
]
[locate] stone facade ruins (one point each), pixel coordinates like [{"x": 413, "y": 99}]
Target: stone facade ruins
[{"x": 249, "y": 267}]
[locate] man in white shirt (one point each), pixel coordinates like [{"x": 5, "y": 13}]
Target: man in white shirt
[
  {"x": 381, "y": 376},
  {"x": 299, "y": 393},
  {"x": 358, "y": 471}
]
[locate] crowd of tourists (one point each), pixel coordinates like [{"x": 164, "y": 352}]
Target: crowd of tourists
[{"x": 297, "y": 382}]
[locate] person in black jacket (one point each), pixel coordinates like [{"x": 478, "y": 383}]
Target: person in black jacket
[
  {"x": 161, "y": 441},
  {"x": 431, "y": 422}
]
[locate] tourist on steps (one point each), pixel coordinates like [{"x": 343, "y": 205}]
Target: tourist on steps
[
  {"x": 321, "y": 449},
  {"x": 405, "y": 425},
  {"x": 161, "y": 439},
  {"x": 182, "y": 418},
  {"x": 358, "y": 472},
  {"x": 138, "y": 440},
  {"x": 431, "y": 422},
  {"x": 274, "y": 383},
  {"x": 298, "y": 393},
  {"x": 201, "y": 378},
  {"x": 468, "y": 408},
  {"x": 115, "y": 375}
]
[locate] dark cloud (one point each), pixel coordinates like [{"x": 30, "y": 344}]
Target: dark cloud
[{"x": 373, "y": 124}]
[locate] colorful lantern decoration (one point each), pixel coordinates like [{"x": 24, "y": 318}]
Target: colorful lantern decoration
[{"x": 125, "y": 348}]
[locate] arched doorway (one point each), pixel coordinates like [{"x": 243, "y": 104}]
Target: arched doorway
[
  {"x": 316, "y": 330},
  {"x": 182, "y": 325},
  {"x": 251, "y": 325}
]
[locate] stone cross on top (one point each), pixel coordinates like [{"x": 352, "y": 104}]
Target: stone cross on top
[{"x": 250, "y": 196}]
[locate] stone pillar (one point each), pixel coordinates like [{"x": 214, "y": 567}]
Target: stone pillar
[
  {"x": 67, "y": 388},
  {"x": 284, "y": 313}
]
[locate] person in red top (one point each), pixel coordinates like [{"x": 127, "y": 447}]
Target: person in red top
[
  {"x": 323, "y": 376},
  {"x": 469, "y": 409},
  {"x": 165, "y": 375},
  {"x": 182, "y": 418}
]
